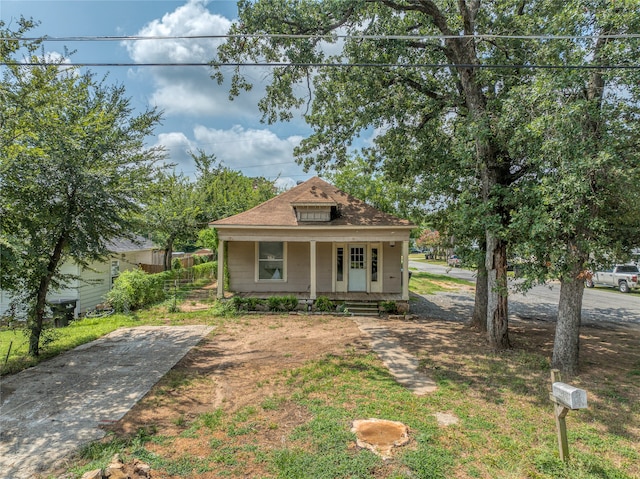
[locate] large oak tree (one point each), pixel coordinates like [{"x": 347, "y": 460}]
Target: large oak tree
[{"x": 418, "y": 91}]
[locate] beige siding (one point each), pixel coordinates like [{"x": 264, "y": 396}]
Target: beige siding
[
  {"x": 241, "y": 263},
  {"x": 392, "y": 258},
  {"x": 324, "y": 265},
  {"x": 298, "y": 268},
  {"x": 241, "y": 257}
]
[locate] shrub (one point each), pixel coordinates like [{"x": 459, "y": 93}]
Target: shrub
[
  {"x": 274, "y": 303},
  {"x": 282, "y": 303},
  {"x": 239, "y": 303},
  {"x": 290, "y": 303},
  {"x": 252, "y": 303},
  {"x": 205, "y": 270},
  {"x": 324, "y": 304},
  {"x": 134, "y": 289},
  {"x": 390, "y": 307}
]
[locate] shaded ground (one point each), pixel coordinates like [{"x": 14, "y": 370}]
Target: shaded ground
[{"x": 246, "y": 362}]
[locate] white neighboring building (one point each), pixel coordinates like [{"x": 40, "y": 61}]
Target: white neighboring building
[{"x": 94, "y": 282}]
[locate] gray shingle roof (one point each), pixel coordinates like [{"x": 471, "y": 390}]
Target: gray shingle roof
[
  {"x": 124, "y": 245},
  {"x": 279, "y": 211}
]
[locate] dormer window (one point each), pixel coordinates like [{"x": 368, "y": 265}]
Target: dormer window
[{"x": 313, "y": 213}]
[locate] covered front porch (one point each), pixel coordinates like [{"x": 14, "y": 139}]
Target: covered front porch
[{"x": 365, "y": 268}]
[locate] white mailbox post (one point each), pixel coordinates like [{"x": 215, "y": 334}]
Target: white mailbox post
[{"x": 565, "y": 398}]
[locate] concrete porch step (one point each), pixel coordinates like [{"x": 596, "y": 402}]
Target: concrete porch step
[{"x": 362, "y": 308}]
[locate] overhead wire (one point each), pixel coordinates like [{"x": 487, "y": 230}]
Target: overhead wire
[
  {"x": 129, "y": 38},
  {"x": 326, "y": 65},
  {"x": 478, "y": 36}
]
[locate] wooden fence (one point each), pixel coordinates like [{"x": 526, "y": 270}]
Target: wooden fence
[{"x": 187, "y": 262}]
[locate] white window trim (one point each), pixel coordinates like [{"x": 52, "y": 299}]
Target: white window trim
[
  {"x": 340, "y": 286},
  {"x": 283, "y": 279}
]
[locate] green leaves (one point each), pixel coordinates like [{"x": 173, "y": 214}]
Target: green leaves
[{"x": 74, "y": 171}]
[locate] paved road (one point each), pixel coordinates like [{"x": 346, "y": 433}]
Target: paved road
[
  {"x": 598, "y": 304},
  {"x": 50, "y": 410}
]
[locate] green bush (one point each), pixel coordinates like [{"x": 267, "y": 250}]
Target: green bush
[
  {"x": 205, "y": 270},
  {"x": 246, "y": 304},
  {"x": 252, "y": 303},
  {"x": 134, "y": 289},
  {"x": 290, "y": 303},
  {"x": 324, "y": 304},
  {"x": 390, "y": 307},
  {"x": 282, "y": 303},
  {"x": 239, "y": 303}
]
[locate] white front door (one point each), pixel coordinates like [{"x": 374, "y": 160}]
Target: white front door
[{"x": 357, "y": 268}]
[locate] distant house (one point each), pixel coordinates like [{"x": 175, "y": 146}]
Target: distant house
[
  {"x": 315, "y": 240},
  {"x": 94, "y": 282}
]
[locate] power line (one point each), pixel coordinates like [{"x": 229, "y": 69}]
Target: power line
[
  {"x": 479, "y": 66},
  {"x": 321, "y": 37}
]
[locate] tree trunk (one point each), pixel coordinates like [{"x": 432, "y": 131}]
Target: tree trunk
[
  {"x": 41, "y": 297},
  {"x": 497, "y": 293},
  {"x": 566, "y": 346},
  {"x": 38, "y": 317},
  {"x": 479, "y": 318},
  {"x": 168, "y": 254}
]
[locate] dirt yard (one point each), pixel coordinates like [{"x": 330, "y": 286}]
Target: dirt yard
[{"x": 238, "y": 366}]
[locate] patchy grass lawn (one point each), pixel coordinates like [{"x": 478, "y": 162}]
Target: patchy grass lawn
[
  {"x": 274, "y": 397},
  {"x": 424, "y": 283}
]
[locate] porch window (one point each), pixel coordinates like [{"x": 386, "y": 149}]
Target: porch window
[
  {"x": 271, "y": 260},
  {"x": 339, "y": 264},
  {"x": 374, "y": 264}
]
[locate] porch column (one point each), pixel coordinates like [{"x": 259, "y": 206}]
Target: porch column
[
  {"x": 220, "y": 294},
  {"x": 312, "y": 253},
  {"x": 405, "y": 270}
]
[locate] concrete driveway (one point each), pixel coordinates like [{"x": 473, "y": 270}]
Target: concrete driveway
[{"x": 48, "y": 411}]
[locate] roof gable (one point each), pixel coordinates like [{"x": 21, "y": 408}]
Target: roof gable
[{"x": 279, "y": 211}]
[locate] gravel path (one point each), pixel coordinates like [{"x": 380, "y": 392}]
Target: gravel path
[{"x": 459, "y": 307}]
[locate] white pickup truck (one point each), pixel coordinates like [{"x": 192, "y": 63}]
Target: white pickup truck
[{"x": 622, "y": 276}]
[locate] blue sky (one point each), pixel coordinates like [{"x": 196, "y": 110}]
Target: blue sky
[{"x": 197, "y": 112}]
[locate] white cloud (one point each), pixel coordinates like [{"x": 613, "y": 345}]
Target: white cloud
[
  {"x": 255, "y": 152},
  {"x": 191, "y": 19},
  {"x": 188, "y": 96},
  {"x": 250, "y": 149},
  {"x": 187, "y": 90}
]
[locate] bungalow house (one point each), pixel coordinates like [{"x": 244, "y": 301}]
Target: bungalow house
[
  {"x": 93, "y": 283},
  {"x": 315, "y": 240}
]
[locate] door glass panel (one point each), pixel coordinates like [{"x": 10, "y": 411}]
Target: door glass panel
[{"x": 357, "y": 258}]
